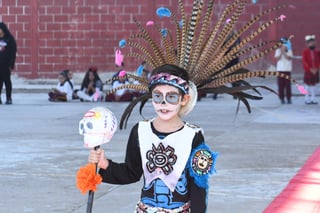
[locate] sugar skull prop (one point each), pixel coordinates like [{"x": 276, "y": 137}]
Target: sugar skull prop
[{"x": 97, "y": 126}]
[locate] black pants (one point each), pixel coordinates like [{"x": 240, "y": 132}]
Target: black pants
[
  {"x": 5, "y": 77},
  {"x": 284, "y": 87}
]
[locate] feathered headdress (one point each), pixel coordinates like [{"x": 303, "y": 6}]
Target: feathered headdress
[{"x": 204, "y": 50}]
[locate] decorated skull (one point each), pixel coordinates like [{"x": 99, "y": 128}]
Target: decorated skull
[{"x": 97, "y": 126}]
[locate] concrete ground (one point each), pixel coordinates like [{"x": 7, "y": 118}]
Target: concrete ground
[{"x": 42, "y": 150}]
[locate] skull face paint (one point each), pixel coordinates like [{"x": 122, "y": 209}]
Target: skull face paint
[{"x": 97, "y": 126}]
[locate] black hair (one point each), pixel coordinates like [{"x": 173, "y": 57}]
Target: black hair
[
  {"x": 6, "y": 31},
  {"x": 65, "y": 73},
  {"x": 283, "y": 40},
  {"x": 172, "y": 70},
  {"x": 86, "y": 79}
]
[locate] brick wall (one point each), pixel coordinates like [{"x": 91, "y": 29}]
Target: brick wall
[{"x": 57, "y": 34}]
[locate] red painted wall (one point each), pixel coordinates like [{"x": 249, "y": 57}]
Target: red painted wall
[{"x": 57, "y": 34}]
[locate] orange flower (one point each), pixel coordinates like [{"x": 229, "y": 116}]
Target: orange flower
[{"x": 87, "y": 178}]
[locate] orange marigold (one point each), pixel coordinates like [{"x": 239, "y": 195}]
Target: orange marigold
[{"x": 87, "y": 178}]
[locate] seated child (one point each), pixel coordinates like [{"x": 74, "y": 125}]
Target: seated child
[
  {"x": 63, "y": 91},
  {"x": 122, "y": 94},
  {"x": 91, "y": 87}
]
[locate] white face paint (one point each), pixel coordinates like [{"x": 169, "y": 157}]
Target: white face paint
[
  {"x": 165, "y": 110},
  {"x": 97, "y": 126}
]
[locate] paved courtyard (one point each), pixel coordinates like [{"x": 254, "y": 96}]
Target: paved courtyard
[{"x": 260, "y": 152}]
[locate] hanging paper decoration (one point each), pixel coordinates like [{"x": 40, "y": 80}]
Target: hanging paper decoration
[
  {"x": 301, "y": 89},
  {"x": 118, "y": 58},
  {"x": 164, "y": 32},
  {"x": 122, "y": 43},
  {"x": 163, "y": 12},
  {"x": 149, "y": 23},
  {"x": 282, "y": 17},
  {"x": 140, "y": 70}
]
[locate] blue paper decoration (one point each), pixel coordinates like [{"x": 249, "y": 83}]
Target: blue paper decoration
[
  {"x": 163, "y": 12},
  {"x": 164, "y": 32},
  {"x": 122, "y": 43}
]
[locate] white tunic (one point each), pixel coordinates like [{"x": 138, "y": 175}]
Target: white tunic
[{"x": 164, "y": 158}]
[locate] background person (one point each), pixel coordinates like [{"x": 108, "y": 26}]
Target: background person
[
  {"x": 91, "y": 87},
  {"x": 284, "y": 55},
  {"x": 63, "y": 91},
  {"x": 121, "y": 95},
  {"x": 8, "y": 50},
  {"x": 311, "y": 63}
]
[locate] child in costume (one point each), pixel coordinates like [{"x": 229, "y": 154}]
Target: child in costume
[{"x": 170, "y": 154}]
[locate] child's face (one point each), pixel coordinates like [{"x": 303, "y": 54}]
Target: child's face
[
  {"x": 167, "y": 101},
  {"x": 61, "y": 79},
  {"x": 70, "y": 74},
  {"x": 91, "y": 76}
]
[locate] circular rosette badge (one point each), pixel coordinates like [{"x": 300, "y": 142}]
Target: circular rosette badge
[
  {"x": 202, "y": 162},
  {"x": 97, "y": 126}
]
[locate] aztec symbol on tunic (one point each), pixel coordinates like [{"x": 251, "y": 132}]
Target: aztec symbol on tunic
[
  {"x": 202, "y": 162},
  {"x": 162, "y": 158}
]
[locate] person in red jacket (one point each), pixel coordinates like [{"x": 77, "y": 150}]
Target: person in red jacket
[{"x": 311, "y": 64}]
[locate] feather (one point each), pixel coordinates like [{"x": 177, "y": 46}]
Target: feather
[
  {"x": 181, "y": 51},
  {"x": 216, "y": 66},
  {"x": 246, "y": 103},
  {"x": 146, "y": 36},
  {"x": 170, "y": 55},
  {"x": 249, "y": 24},
  {"x": 200, "y": 41},
  {"x": 126, "y": 114},
  {"x": 205, "y": 53},
  {"x": 237, "y": 77},
  {"x": 196, "y": 13},
  {"x": 243, "y": 63},
  {"x": 233, "y": 54},
  {"x": 137, "y": 87}
]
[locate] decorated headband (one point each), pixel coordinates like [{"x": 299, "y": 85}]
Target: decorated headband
[{"x": 172, "y": 80}]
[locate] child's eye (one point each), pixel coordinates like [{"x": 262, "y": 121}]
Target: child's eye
[
  {"x": 173, "y": 97},
  {"x": 157, "y": 97}
]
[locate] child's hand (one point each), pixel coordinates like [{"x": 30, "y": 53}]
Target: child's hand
[{"x": 97, "y": 156}]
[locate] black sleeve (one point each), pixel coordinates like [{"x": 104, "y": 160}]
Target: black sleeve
[
  {"x": 198, "y": 195},
  {"x": 13, "y": 52},
  {"x": 131, "y": 170}
]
